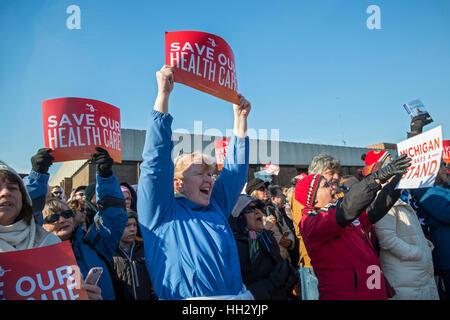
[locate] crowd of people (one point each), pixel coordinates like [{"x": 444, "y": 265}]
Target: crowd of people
[{"x": 182, "y": 233}]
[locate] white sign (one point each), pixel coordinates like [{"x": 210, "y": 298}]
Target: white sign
[{"x": 425, "y": 150}]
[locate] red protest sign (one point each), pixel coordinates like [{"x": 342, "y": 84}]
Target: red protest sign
[
  {"x": 46, "y": 273},
  {"x": 446, "y": 151},
  {"x": 73, "y": 127},
  {"x": 221, "y": 151},
  {"x": 204, "y": 62}
]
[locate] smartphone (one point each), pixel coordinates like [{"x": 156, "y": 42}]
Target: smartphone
[{"x": 93, "y": 275}]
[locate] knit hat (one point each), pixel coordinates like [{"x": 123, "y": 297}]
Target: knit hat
[
  {"x": 125, "y": 189},
  {"x": 255, "y": 184},
  {"x": 132, "y": 214},
  {"x": 373, "y": 160},
  {"x": 5, "y": 167},
  {"x": 306, "y": 190}
]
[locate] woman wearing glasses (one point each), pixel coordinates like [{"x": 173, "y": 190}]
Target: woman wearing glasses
[{"x": 94, "y": 248}]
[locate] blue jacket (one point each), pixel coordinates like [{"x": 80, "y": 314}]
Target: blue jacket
[
  {"x": 436, "y": 203},
  {"x": 102, "y": 239},
  {"x": 36, "y": 184},
  {"x": 190, "y": 249}
]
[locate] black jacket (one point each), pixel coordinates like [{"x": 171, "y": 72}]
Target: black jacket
[
  {"x": 131, "y": 280},
  {"x": 265, "y": 274}
]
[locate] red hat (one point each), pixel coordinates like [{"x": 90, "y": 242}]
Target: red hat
[
  {"x": 306, "y": 189},
  {"x": 373, "y": 159}
]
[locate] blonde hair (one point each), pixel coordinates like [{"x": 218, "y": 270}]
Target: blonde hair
[
  {"x": 185, "y": 160},
  {"x": 54, "y": 205}
]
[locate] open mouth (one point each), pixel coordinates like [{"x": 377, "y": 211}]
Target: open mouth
[
  {"x": 5, "y": 204},
  {"x": 205, "y": 191}
]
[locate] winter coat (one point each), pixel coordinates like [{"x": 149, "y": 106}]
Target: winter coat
[
  {"x": 296, "y": 210},
  {"x": 256, "y": 273},
  {"x": 405, "y": 254},
  {"x": 343, "y": 258},
  {"x": 191, "y": 251},
  {"x": 130, "y": 278},
  {"x": 36, "y": 185},
  {"x": 96, "y": 248},
  {"x": 436, "y": 203},
  {"x": 260, "y": 260},
  {"x": 279, "y": 228}
]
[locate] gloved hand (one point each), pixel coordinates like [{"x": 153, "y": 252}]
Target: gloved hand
[
  {"x": 395, "y": 167},
  {"x": 42, "y": 160},
  {"x": 279, "y": 274},
  {"x": 103, "y": 162},
  {"x": 417, "y": 124}
]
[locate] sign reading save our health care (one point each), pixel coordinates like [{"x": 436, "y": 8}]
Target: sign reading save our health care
[
  {"x": 425, "y": 150},
  {"x": 73, "y": 127},
  {"x": 204, "y": 62}
]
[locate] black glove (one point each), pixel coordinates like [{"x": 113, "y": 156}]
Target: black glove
[
  {"x": 395, "y": 167},
  {"x": 42, "y": 160},
  {"x": 103, "y": 162},
  {"x": 279, "y": 274},
  {"x": 417, "y": 124}
]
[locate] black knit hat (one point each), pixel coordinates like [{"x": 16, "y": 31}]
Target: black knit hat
[{"x": 132, "y": 214}]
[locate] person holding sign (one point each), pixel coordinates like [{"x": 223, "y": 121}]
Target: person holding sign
[
  {"x": 335, "y": 231},
  {"x": 96, "y": 247},
  {"x": 404, "y": 252},
  {"x": 190, "y": 248}
]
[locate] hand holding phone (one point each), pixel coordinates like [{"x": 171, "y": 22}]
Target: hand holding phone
[{"x": 93, "y": 275}]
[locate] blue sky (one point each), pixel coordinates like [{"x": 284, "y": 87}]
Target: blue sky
[{"x": 311, "y": 68}]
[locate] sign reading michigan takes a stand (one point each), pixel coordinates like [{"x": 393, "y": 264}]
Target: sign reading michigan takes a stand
[{"x": 73, "y": 127}]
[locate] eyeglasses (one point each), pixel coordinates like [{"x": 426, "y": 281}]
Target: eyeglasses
[
  {"x": 57, "y": 192},
  {"x": 80, "y": 194},
  {"x": 55, "y": 217}
]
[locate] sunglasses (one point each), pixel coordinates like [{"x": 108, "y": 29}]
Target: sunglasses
[
  {"x": 327, "y": 184},
  {"x": 57, "y": 192},
  {"x": 55, "y": 217}
]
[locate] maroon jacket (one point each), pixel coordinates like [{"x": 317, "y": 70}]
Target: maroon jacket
[
  {"x": 343, "y": 258},
  {"x": 335, "y": 236}
]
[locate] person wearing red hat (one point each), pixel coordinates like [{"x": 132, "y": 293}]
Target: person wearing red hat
[
  {"x": 334, "y": 231},
  {"x": 374, "y": 159}
]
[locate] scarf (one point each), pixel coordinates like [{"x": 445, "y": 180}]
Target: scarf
[
  {"x": 17, "y": 236},
  {"x": 253, "y": 244}
]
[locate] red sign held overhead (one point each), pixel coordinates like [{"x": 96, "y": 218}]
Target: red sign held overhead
[
  {"x": 221, "y": 151},
  {"x": 46, "y": 273},
  {"x": 446, "y": 151},
  {"x": 204, "y": 62},
  {"x": 73, "y": 127}
]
